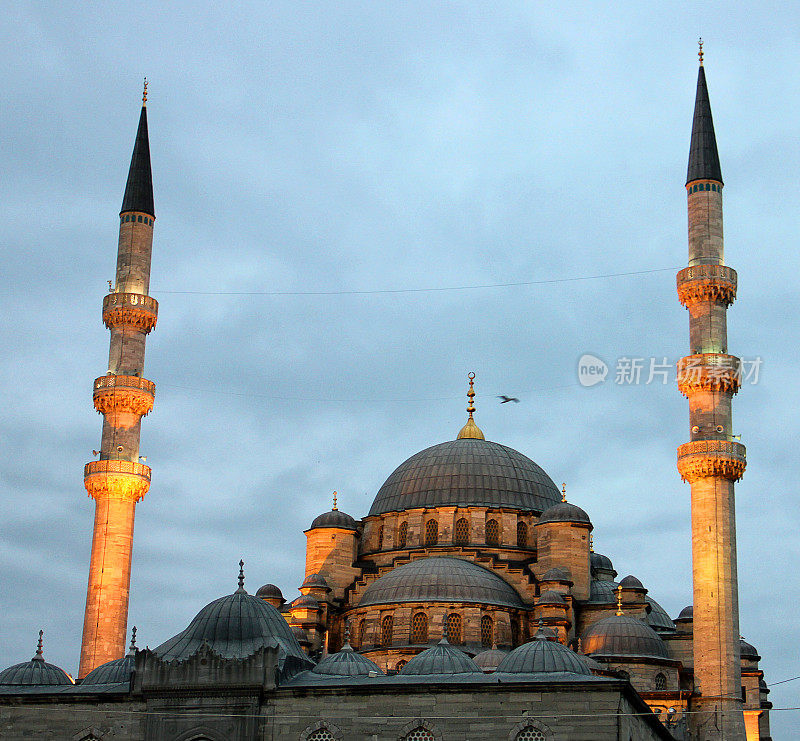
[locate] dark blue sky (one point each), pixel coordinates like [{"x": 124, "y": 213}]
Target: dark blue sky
[{"x": 359, "y": 147}]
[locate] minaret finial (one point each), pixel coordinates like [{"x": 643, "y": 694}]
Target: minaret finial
[
  {"x": 591, "y": 543},
  {"x": 144, "y": 93},
  {"x": 700, "y": 52},
  {"x": 241, "y": 576},
  {"x": 563, "y": 491},
  {"x": 38, "y": 656},
  {"x": 471, "y": 430},
  {"x": 334, "y": 502},
  {"x": 619, "y": 599}
]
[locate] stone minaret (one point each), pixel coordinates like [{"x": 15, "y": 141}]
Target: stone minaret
[
  {"x": 712, "y": 461},
  {"x": 117, "y": 481}
]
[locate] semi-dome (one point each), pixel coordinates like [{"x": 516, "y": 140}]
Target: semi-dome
[
  {"x": 467, "y": 472},
  {"x": 441, "y": 579},
  {"x": 541, "y": 655},
  {"x": 34, "y": 672},
  {"x": 346, "y": 663},
  {"x": 490, "y": 659},
  {"x": 564, "y": 512},
  {"x": 335, "y": 518},
  {"x": 235, "y": 627},
  {"x": 441, "y": 659},
  {"x": 658, "y": 618},
  {"x": 622, "y": 635}
]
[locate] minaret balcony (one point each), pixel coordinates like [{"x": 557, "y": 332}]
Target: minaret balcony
[
  {"x": 116, "y": 479},
  {"x": 709, "y": 372},
  {"x": 130, "y": 311},
  {"x": 711, "y": 458},
  {"x": 702, "y": 283},
  {"x": 124, "y": 400}
]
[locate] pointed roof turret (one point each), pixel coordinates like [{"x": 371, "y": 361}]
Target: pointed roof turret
[
  {"x": 703, "y": 155},
  {"x": 139, "y": 188}
]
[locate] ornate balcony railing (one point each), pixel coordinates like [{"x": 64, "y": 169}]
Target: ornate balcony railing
[
  {"x": 123, "y": 399},
  {"x": 130, "y": 310},
  {"x": 705, "y": 458},
  {"x": 116, "y": 479},
  {"x": 709, "y": 372},
  {"x": 707, "y": 283}
]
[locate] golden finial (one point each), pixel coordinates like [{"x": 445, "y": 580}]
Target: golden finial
[
  {"x": 471, "y": 430},
  {"x": 619, "y": 599},
  {"x": 563, "y": 491},
  {"x": 334, "y": 502},
  {"x": 700, "y": 52},
  {"x": 144, "y": 93},
  {"x": 591, "y": 543}
]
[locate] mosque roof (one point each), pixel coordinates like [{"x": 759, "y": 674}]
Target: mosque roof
[
  {"x": 139, "y": 188},
  {"x": 490, "y": 659},
  {"x": 115, "y": 671},
  {"x": 623, "y": 635},
  {"x": 441, "y": 579},
  {"x": 34, "y": 672},
  {"x": 658, "y": 618},
  {"x": 602, "y": 592},
  {"x": 703, "y": 154},
  {"x": 541, "y": 655},
  {"x": 335, "y": 518},
  {"x": 441, "y": 659},
  {"x": 269, "y": 590},
  {"x": 346, "y": 663},
  {"x": 564, "y": 512}
]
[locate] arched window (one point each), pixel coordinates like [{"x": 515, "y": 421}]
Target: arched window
[
  {"x": 492, "y": 532},
  {"x": 487, "y": 631},
  {"x": 431, "y": 532},
  {"x": 362, "y": 629},
  {"x": 661, "y": 681},
  {"x": 420, "y": 733},
  {"x": 454, "y": 628},
  {"x": 402, "y": 535},
  {"x": 522, "y": 535},
  {"x": 387, "y": 625},
  {"x": 529, "y": 733},
  {"x": 322, "y": 734},
  {"x": 419, "y": 628},
  {"x": 400, "y": 664},
  {"x": 461, "y": 534},
  {"x": 380, "y": 537},
  {"x": 514, "y": 632}
]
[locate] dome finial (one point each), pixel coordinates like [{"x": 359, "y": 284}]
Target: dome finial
[
  {"x": 241, "y": 576},
  {"x": 334, "y": 502},
  {"x": 591, "y": 543},
  {"x": 471, "y": 430},
  {"x": 700, "y": 52},
  {"x": 132, "y": 647},
  {"x": 563, "y": 491},
  {"x": 144, "y": 93},
  {"x": 444, "y": 631},
  {"x": 38, "y": 656},
  {"x": 619, "y": 600}
]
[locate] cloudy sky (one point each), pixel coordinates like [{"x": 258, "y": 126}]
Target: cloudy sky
[{"x": 315, "y": 166}]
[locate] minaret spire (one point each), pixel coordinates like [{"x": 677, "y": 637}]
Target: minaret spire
[
  {"x": 712, "y": 461},
  {"x": 119, "y": 479}
]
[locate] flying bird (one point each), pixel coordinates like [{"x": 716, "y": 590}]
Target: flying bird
[{"x": 506, "y": 399}]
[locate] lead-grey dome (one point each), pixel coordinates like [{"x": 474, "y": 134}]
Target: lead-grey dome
[
  {"x": 441, "y": 579},
  {"x": 541, "y": 655},
  {"x": 346, "y": 663},
  {"x": 564, "y": 512},
  {"x": 464, "y": 473},
  {"x": 112, "y": 672},
  {"x": 489, "y": 660},
  {"x": 602, "y": 592},
  {"x": 622, "y": 635},
  {"x": 335, "y": 518},
  {"x": 34, "y": 672},
  {"x": 631, "y": 582},
  {"x": 658, "y": 618},
  {"x": 235, "y": 627},
  {"x": 687, "y": 613},
  {"x": 748, "y": 650},
  {"x": 441, "y": 659}
]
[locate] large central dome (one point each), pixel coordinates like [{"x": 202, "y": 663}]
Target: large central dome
[{"x": 467, "y": 473}]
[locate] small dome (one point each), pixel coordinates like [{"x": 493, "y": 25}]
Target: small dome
[
  {"x": 687, "y": 613},
  {"x": 658, "y": 618},
  {"x": 748, "y": 651},
  {"x": 556, "y": 574},
  {"x": 631, "y": 582},
  {"x": 622, "y": 635},
  {"x": 564, "y": 512},
  {"x": 601, "y": 592},
  {"x": 346, "y": 663},
  {"x": 550, "y": 597},
  {"x": 269, "y": 590},
  {"x": 467, "y": 473},
  {"x": 315, "y": 580},
  {"x": 490, "y": 659},
  {"x": 441, "y": 659},
  {"x": 335, "y": 518},
  {"x": 601, "y": 566},
  {"x": 34, "y": 672},
  {"x": 441, "y": 579},
  {"x": 307, "y": 601},
  {"x": 541, "y": 655},
  {"x": 112, "y": 672}
]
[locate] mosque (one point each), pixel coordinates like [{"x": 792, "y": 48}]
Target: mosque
[{"x": 468, "y": 603}]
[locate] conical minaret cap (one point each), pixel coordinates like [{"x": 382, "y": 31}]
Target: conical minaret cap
[
  {"x": 139, "y": 188},
  {"x": 703, "y": 155}
]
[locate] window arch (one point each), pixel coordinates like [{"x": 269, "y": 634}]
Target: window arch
[
  {"x": 323, "y": 734},
  {"x": 362, "y": 629},
  {"x": 492, "y": 532},
  {"x": 402, "y": 535},
  {"x": 419, "y": 628},
  {"x": 380, "y": 537},
  {"x": 420, "y": 733},
  {"x": 454, "y": 628},
  {"x": 461, "y": 533},
  {"x": 487, "y": 631},
  {"x": 431, "y": 532},
  {"x": 387, "y": 627},
  {"x": 530, "y": 733},
  {"x": 660, "y": 681},
  {"x": 522, "y": 535},
  {"x": 400, "y": 664}
]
